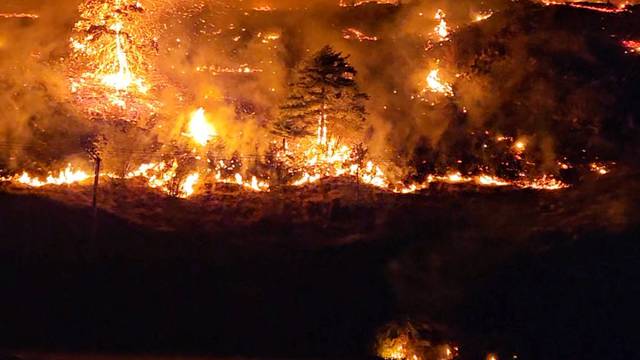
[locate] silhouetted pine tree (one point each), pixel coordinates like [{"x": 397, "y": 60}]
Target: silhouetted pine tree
[{"x": 324, "y": 93}]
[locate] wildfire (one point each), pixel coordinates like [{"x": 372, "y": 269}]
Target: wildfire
[
  {"x": 253, "y": 185},
  {"x": 481, "y": 16},
  {"x": 351, "y": 33},
  {"x": 327, "y": 159},
  {"x": 436, "y": 85},
  {"x": 269, "y": 37},
  {"x": 123, "y": 79},
  {"x": 442, "y": 30},
  {"x": 216, "y": 70},
  {"x": 19, "y": 16},
  {"x": 200, "y": 129},
  {"x": 67, "y": 176},
  {"x": 356, "y": 3},
  {"x": 605, "y": 8},
  {"x": 265, "y": 8},
  {"x": 545, "y": 182},
  {"x": 394, "y": 348},
  {"x": 109, "y": 64},
  {"x": 187, "y": 187}
]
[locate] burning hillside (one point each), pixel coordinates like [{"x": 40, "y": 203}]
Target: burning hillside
[
  {"x": 178, "y": 114},
  {"x": 126, "y": 57}
]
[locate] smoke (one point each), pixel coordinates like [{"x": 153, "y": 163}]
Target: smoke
[
  {"x": 235, "y": 59},
  {"x": 34, "y": 90}
]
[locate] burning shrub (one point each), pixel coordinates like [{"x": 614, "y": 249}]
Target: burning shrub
[{"x": 403, "y": 341}]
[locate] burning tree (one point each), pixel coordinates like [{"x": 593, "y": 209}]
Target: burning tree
[
  {"x": 109, "y": 68},
  {"x": 325, "y": 95}
]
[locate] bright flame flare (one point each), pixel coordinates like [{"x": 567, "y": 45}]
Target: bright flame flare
[
  {"x": 436, "y": 85},
  {"x": 442, "y": 29},
  {"x": 200, "y": 130},
  {"x": 66, "y": 176}
]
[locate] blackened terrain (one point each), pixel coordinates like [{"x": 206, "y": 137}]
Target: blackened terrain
[{"x": 533, "y": 273}]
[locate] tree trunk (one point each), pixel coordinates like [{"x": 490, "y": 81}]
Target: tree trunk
[{"x": 323, "y": 121}]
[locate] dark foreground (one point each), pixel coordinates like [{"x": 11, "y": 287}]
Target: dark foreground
[{"x": 315, "y": 273}]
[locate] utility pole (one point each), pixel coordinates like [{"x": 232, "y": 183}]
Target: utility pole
[
  {"x": 94, "y": 146},
  {"x": 96, "y": 182}
]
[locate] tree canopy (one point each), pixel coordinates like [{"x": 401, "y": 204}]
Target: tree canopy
[{"x": 325, "y": 93}]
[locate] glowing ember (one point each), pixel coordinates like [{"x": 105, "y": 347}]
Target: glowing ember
[
  {"x": 598, "y": 168},
  {"x": 632, "y": 46},
  {"x": 200, "y": 130},
  {"x": 436, "y": 85}
]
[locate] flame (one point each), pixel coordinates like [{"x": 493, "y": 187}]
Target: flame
[
  {"x": 18, "y": 16},
  {"x": 442, "y": 30},
  {"x": 356, "y": 34},
  {"x": 216, "y": 70},
  {"x": 546, "y": 182},
  {"x": 66, "y": 176},
  {"x": 123, "y": 79},
  {"x": 253, "y": 185},
  {"x": 163, "y": 176},
  {"x": 157, "y": 175},
  {"x": 481, "y": 16},
  {"x": 327, "y": 158},
  {"x": 200, "y": 130},
  {"x": 605, "y": 8},
  {"x": 394, "y": 349},
  {"x": 356, "y": 3},
  {"x": 108, "y": 65},
  {"x": 436, "y": 85},
  {"x": 187, "y": 188}
]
